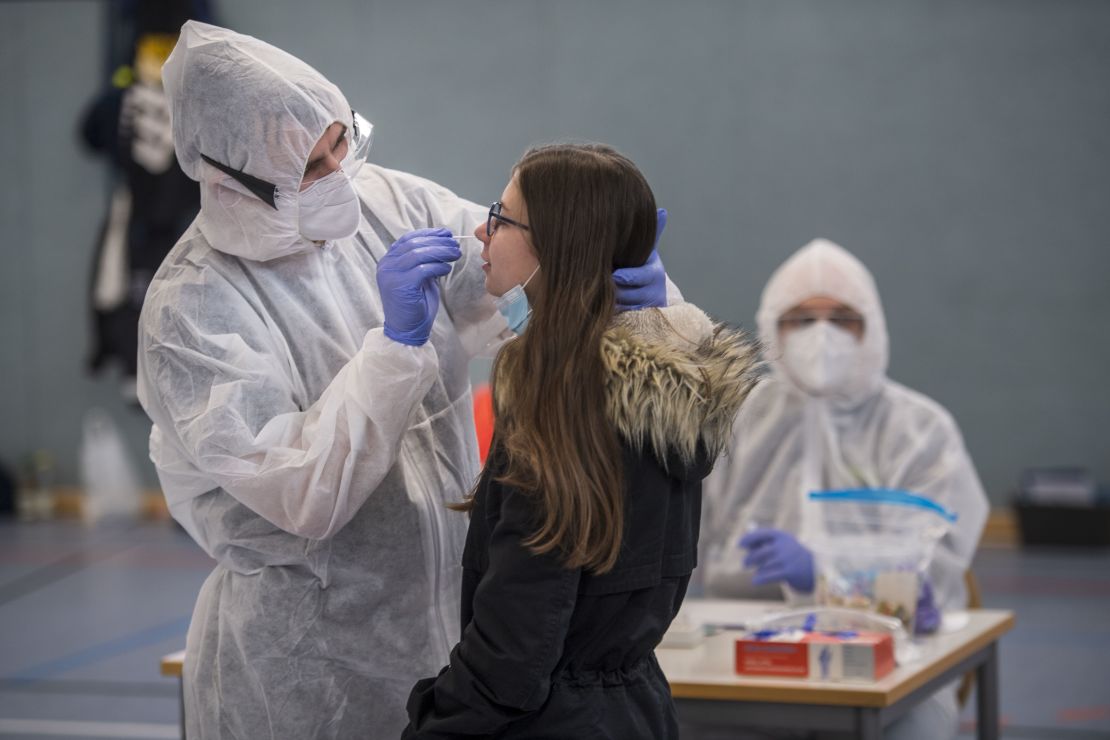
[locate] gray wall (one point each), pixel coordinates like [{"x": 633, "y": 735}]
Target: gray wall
[
  {"x": 52, "y": 199},
  {"x": 961, "y": 149}
]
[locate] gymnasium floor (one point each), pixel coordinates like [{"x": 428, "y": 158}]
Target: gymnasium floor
[{"x": 85, "y": 616}]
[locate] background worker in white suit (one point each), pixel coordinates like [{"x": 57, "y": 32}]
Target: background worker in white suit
[{"x": 827, "y": 417}]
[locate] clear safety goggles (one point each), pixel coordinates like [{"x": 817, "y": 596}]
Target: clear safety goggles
[
  {"x": 849, "y": 321},
  {"x": 359, "y": 135}
]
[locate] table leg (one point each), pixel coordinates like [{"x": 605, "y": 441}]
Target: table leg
[
  {"x": 986, "y": 690},
  {"x": 181, "y": 694},
  {"x": 870, "y": 727}
]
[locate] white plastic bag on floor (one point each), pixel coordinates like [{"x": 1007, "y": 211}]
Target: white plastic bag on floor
[{"x": 112, "y": 492}]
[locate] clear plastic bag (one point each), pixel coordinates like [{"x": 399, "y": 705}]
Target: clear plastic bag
[{"x": 872, "y": 548}]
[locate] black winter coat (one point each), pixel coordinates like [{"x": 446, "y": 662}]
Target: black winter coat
[{"x": 552, "y": 652}]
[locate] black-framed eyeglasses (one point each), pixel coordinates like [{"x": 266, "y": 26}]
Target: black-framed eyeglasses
[{"x": 495, "y": 217}]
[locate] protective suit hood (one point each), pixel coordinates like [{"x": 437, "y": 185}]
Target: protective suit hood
[
  {"x": 251, "y": 107},
  {"x": 822, "y": 268}
]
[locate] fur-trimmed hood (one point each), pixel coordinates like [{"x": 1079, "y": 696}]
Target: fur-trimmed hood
[{"x": 676, "y": 382}]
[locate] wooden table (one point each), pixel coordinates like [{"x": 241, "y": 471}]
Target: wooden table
[{"x": 708, "y": 691}]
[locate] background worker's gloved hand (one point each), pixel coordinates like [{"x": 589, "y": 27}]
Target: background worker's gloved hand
[
  {"x": 407, "y": 282},
  {"x": 778, "y": 556},
  {"x": 927, "y": 618},
  {"x": 644, "y": 286}
]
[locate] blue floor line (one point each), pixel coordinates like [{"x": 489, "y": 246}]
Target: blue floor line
[{"x": 105, "y": 650}]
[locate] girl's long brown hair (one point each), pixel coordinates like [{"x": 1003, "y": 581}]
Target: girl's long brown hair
[{"x": 590, "y": 210}]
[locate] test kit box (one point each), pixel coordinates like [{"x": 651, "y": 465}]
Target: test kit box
[{"x": 821, "y": 656}]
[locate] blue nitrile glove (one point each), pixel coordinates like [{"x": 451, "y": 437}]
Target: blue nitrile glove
[
  {"x": 644, "y": 286},
  {"x": 407, "y": 282},
  {"x": 927, "y": 618},
  {"x": 778, "y": 556}
]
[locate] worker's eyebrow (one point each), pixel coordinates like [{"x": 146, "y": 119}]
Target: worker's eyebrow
[
  {"x": 339, "y": 138},
  {"x": 313, "y": 162}
]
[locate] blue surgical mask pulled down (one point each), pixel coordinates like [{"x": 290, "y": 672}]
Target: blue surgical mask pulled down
[{"x": 513, "y": 305}]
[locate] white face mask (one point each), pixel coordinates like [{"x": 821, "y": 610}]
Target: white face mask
[
  {"x": 821, "y": 358},
  {"x": 329, "y": 209}
]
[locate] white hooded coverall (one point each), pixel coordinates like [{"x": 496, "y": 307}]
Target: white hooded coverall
[
  {"x": 868, "y": 432},
  {"x": 307, "y": 453}
]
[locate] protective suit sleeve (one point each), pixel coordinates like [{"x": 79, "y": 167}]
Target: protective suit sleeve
[
  {"x": 726, "y": 516},
  {"x": 501, "y": 669},
  {"x": 720, "y": 572},
  {"x": 221, "y": 384},
  {"x": 941, "y": 470}
]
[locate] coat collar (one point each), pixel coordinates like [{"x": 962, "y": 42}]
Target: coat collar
[{"x": 676, "y": 380}]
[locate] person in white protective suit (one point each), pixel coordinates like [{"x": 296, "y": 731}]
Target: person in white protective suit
[
  {"x": 827, "y": 417},
  {"x": 311, "y": 404}
]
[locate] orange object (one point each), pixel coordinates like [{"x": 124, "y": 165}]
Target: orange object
[
  {"x": 483, "y": 419},
  {"x": 767, "y": 658}
]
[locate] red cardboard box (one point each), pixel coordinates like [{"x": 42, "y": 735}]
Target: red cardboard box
[{"x": 822, "y": 656}]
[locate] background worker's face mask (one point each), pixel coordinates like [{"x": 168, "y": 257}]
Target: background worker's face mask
[
  {"x": 329, "y": 208},
  {"x": 513, "y": 305},
  {"x": 821, "y": 359}
]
